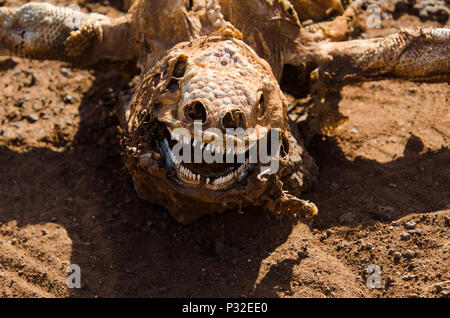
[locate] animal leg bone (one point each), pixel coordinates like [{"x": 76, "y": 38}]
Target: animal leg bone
[{"x": 421, "y": 55}]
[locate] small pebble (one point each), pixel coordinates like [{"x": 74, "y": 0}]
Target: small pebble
[
  {"x": 408, "y": 277},
  {"x": 68, "y": 99},
  {"x": 404, "y": 236},
  {"x": 445, "y": 294},
  {"x": 409, "y": 254},
  {"x": 383, "y": 213},
  {"x": 341, "y": 246},
  {"x": 32, "y": 118},
  {"x": 412, "y": 90},
  {"x": 65, "y": 71},
  {"x": 410, "y": 225},
  {"x": 367, "y": 246}
]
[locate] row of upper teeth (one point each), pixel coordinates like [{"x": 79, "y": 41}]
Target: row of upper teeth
[
  {"x": 210, "y": 147},
  {"x": 192, "y": 177}
]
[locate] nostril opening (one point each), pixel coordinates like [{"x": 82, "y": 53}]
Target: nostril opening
[
  {"x": 234, "y": 119},
  {"x": 195, "y": 111}
]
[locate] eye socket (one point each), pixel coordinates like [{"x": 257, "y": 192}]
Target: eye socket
[
  {"x": 195, "y": 111},
  {"x": 261, "y": 107},
  {"x": 178, "y": 73}
]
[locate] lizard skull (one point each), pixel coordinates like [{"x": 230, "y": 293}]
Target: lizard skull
[{"x": 214, "y": 98}]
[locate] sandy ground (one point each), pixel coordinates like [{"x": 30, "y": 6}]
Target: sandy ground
[{"x": 65, "y": 198}]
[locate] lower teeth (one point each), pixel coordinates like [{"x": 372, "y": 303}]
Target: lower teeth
[{"x": 187, "y": 175}]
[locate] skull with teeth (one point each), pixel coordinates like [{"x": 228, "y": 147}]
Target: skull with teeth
[{"x": 194, "y": 131}]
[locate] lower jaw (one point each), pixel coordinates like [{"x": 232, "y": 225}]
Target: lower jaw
[{"x": 188, "y": 178}]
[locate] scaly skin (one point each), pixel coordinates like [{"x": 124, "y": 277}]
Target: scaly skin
[
  {"x": 43, "y": 31},
  {"x": 417, "y": 55},
  {"x": 220, "y": 62}
]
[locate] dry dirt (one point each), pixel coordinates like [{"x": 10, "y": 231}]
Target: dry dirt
[{"x": 65, "y": 198}]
